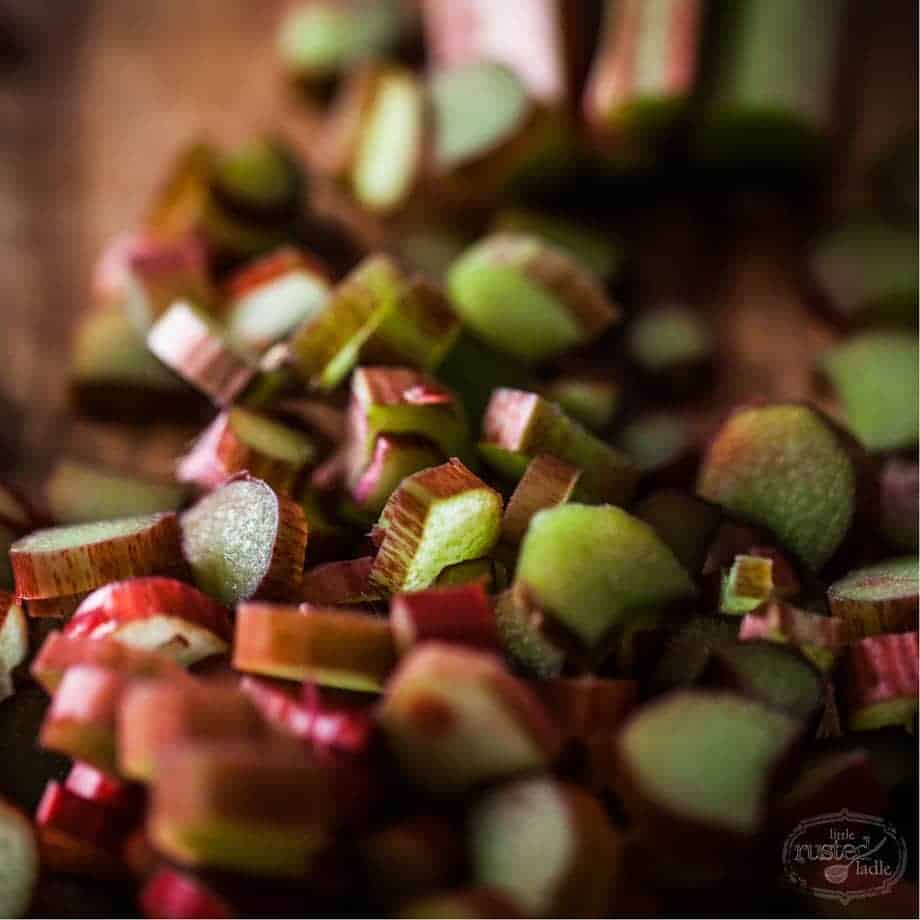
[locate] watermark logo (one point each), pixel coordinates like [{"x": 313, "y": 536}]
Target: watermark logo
[{"x": 844, "y": 856}]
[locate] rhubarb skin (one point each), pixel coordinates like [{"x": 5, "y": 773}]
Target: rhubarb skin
[
  {"x": 523, "y": 425},
  {"x": 68, "y": 560},
  {"x": 261, "y": 809},
  {"x": 173, "y": 895},
  {"x": 63, "y": 810},
  {"x": 340, "y": 584},
  {"x": 546, "y": 482},
  {"x": 454, "y": 718},
  {"x": 461, "y": 615},
  {"x": 436, "y": 518},
  {"x": 882, "y": 681},
  {"x": 819, "y": 638},
  {"x": 337, "y": 648},
  {"x": 597, "y": 570}
]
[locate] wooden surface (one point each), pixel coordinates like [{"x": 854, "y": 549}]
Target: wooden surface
[{"x": 95, "y": 96}]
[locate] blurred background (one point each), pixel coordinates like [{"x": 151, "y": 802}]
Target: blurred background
[{"x": 98, "y": 96}]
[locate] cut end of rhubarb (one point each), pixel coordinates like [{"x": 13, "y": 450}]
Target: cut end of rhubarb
[{"x": 879, "y": 598}]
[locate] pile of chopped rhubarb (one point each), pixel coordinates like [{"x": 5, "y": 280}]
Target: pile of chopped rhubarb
[{"x": 460, "y": 604}]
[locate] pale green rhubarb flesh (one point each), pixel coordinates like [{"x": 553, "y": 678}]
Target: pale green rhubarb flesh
[
  {"x": 527, "y": 298},
  {"x": 746, "y": 585},
  {"x": 436, "y": 518},
  {"x": 599, "y": 571},
  {"x": 518, "y": 425},
  {"x": 785, "y": 468}
]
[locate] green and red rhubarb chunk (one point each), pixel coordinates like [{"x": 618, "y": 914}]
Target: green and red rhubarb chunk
[{"x": 880, "y": 598}]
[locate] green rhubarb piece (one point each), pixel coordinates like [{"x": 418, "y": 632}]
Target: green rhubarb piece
[
  {"x": 819, "y": 638},
  {"x": 258, "y": 176},
  {"x": 773, "y": 86},
  {"x": 455, "y": 718},
  {"x": 518, "y": 425},
  {"x": 393, "y": 459},
  {"x": 528, "y": 298},
  {"x": 593, "y": 402},
  {"x": 270, "y": 311},
  {"x": 775, "y": 674},
  {"x": 593, "y": 246},
  {"x": 19, "y": 870},
  {"x": 549, "y": 846},
  {"x": 242, "y": 539},
  {"x": 478, "y": 107},
  {"x": 521, "y": 629},
  {"x": 746, "y": 585},
  {"x": 704, "y": 758},
  {"x": 319, "y": 39},
  {"x": 596, "y": 569},
  {"x": 785, "y": 468},
  {"x": 436, "y": 518},
  {"x": 870, "y": 272},
  {"x": 686, "y": 523},
  {"x": 400, "y": 401},
  {"x": 875, "y": 376},
  {"x": 473, "y": 370},
  {"x": 430, "y": 249},
  {"x": 490, "y": 573},
  {"x": 391, "y": 148},
  {"x": 688, "y": 649},
  {"x": 326, "y": 347},
  {"x": 78, "y": 492},
  {"x": 669, "y": 337},
  {"x": 655, "y": 440},
  {"x": 879, "y": 598},
  {"x": 272, "y": 438}
]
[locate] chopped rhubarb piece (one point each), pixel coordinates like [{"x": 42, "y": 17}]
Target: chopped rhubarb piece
[
  {"x": 340, "y": 584},
  {"x": 480, "y": 108},
  {"x": 875, "y": 375},
  {"x": 326, "y": 347},
  {"x": 114, "y": 375},
  {"x": 56, "y": 608},
  {"x": 869, "y": 272},
  {"x": 143, "y": 275},
  {"x": 92, "y": 784},
  {"x": 390, "y": 153},
  {"x": 321, "y": 40},
  {"x": 81, "y": 719},
  {"x": 180, "y": 199},
  {"x": 492, "y": 575},
  {"x": 660, "y": 444},
  {"x": 772, "y": 103},
  {"x": 525, "y": 633},
  {"x": 462, "y": 615},
  {"x": 59, "y": 653},
  {"x": 684, "y": 522},
  {"x": 173, "y": 895},
  {"x": 547, "y": 845},
  {"x": 414, "y": 855},
  {"x": 156, "y": 614},
  {"x": 777, "y": 675},
  {"x": 436, "y": 518},
  {"x": 326, "y": 420},
  {"x": 746, "y": 585},
  {"x": 460, "y": 904},
  {"x": 70, "y": 814},
  {"x": 79, "y": 557},
  {"x": 542, "y": 41},
  {"x": 455, "y": 717},
  {"x": 598, "y": 570},
  {"x": 878, "y": 599},
  {"x": 882, "y": 682},
  {"x": 520, "y": 425},
  {"x": 77, "y": 492},
  {"x": 592, "y": 402},
  {"x": 546, "y": 482},
  {"x": 245, "y": 540},
  {"x": 20, "y": 865},
  {"x": 819, "y": 638},
  {"x": 239, "y": 440},
  {"x": 643, "y": 75},
  {"x": 155, "y": 716},
  {"x": 334, "y": 648},
  {"x": 900, "y": 497},
  {"x": 254, "y": 807},
  {"x": 527, "y": 298},
  {"x": 394, "y": 458},
  {"x": 14, "y": 642},
  {"x": 192, "y": 344},
  {"x": 704, "y": 763},
  {"x": 784, "y": 467},
  {"x": 585, "y": 706},
  {"x": 273, "y": 295}
]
